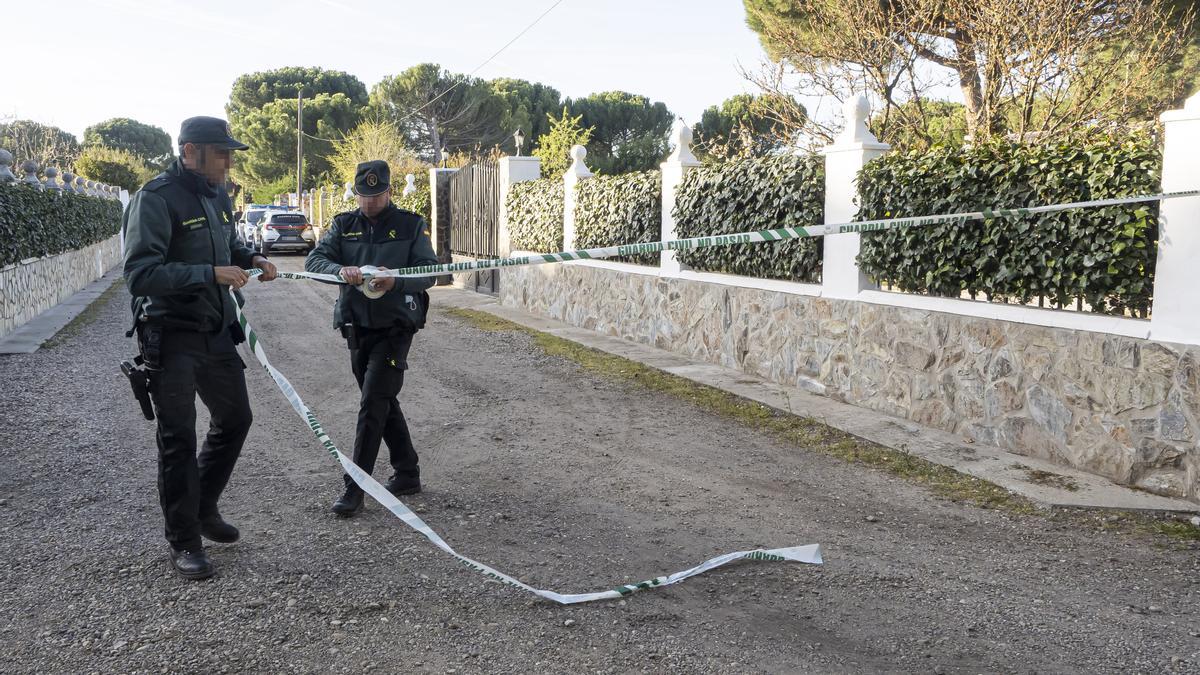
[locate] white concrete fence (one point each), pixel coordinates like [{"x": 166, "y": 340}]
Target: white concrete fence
[
  {"x": 1176, "y": 308},
  {"x": 49, "y": 180},
  {"x": 32, "y": 286},
  {"x": 1114, "y": 395}
]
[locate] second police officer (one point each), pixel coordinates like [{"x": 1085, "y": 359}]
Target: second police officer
[{"x": 378, "y": 332}]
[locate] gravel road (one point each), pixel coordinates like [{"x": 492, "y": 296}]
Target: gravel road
[{"x": 561, "y": 478}]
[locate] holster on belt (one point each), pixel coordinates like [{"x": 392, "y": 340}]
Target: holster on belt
[
  {"x": 350, "y": 332},
  {"x": 147, "y": 362},
  {"x": 139, "y": 380}
]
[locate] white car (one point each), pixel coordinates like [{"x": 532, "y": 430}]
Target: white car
[
  {"x": 249, "y": 223},
  {"x": 284, "y": 230}
]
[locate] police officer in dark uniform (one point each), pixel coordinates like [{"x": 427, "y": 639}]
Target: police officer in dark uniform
[
  {"x": 378, "y": 331},
  {"x": 182, "y": 256}
]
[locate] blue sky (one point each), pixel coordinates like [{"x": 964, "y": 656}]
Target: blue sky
[{"x": 75, "y": 63}]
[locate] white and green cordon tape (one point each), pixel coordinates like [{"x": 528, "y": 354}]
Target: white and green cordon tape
[
  {"x": 805, "y": 554},
  {"x": 750, "y": 237}
]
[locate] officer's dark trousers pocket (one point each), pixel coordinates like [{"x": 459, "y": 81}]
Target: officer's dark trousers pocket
[
  {"x": 379, "y": 364},
  {"x": 189, "y": 485}
]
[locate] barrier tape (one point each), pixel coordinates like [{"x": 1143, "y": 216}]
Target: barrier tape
[
  {"x": 804, "y": 554},
  {"x": 751, "y": 237}
]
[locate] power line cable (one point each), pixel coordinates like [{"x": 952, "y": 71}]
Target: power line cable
[
  {"x": 489, "y": 60},
  {"x": 469, "y": 75}
]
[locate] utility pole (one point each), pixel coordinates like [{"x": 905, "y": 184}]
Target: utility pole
[{"x": 299, "y": 144}]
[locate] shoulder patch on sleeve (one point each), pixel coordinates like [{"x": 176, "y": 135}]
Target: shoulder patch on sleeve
[
  {"x": 157, "y": 183},
  {"x": 342, "y": 218}
]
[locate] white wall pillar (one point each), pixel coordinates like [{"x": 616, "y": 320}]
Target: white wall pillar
[
  {"x": 123, "y": 195},
  {"x": 320, "y": 208},
  {"x": 840, "y": 275},
  {"x": 513, "y": 170},
  {"x": 576, "y": 172},
  {"x": 1176, "y": 312},
  {"x": 674, "y": 169}
]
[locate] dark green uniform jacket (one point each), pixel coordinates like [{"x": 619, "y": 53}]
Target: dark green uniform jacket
[
  {"x": 177, "y": 228},
  {"x": 398, "y": 238}
]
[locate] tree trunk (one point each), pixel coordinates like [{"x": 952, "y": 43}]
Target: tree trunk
[
  {"x": 435, "y": 138},
  {"x": 971, "y": 84}
]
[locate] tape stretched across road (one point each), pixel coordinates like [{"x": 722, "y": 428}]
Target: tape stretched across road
[
  {"x": 804, "y": 554},
  {"x": 750, "y": 237}
]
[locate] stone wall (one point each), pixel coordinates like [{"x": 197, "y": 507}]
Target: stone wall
[
  {"x": 482, "y": 281},
  {"x": 33, "y": 286},
  {"x": 1121, "y": 407}
]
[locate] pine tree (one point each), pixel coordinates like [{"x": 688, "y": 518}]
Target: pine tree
[{"x": 554, "y": 146}]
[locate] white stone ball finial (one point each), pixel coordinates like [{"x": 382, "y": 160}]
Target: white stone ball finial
[
  {"x": 6, "y": 160},
  {"x": 410, "y": 185},
  {"x": 683, "y": 134},
  {"x": 68, "y": 181},
  {"x": 30, "y": 168},
  {"x": 52, "y": 179},
  {"x": 856, "y": 110},
  {"x": 91, "y": 188},
  {"x": 681, "y": 137},
  {"x": 80, "y": 185},
  {"x": 578, "y": 170}
]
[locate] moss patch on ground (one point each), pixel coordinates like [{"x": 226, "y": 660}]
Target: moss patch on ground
[{"x": 87, "y": 316}]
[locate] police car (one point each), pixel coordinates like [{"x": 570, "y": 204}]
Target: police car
[{"x": 284, "y": 230}]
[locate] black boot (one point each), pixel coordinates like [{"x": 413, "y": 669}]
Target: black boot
[
  {"x": 350, "y": 502},
  {"x": 403, "y": 484},
  {"x": 214, "y": 528},
  {"x": 192, "y": 564}
]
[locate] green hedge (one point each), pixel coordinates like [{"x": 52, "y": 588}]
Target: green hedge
[
  {"x": 535, "y": 215},
  {"x": 623, "y": 209},
  {"x": 417, "y": 202},
  {"x": 1102, "y": 256},
  {"x": 754, "y": 194},
  {"x": 35, "y": 223}
]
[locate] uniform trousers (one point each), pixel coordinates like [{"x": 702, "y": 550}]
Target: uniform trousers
[
  {"x": 379, "y": 359},
  {"x": 190, "y": 484}
]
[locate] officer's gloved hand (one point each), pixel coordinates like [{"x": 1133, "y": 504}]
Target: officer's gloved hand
[{"x": 351, "y": 275}]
